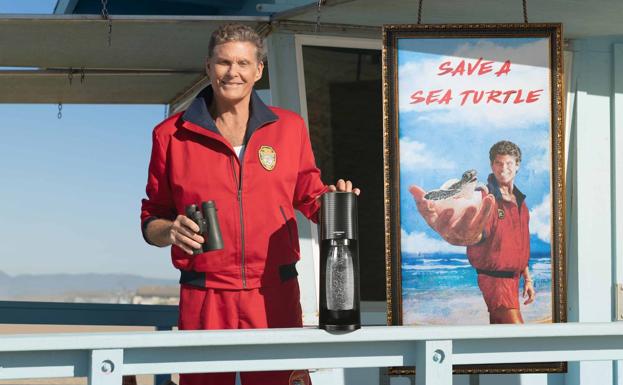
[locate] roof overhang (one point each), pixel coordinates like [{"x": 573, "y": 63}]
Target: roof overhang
[
  {"x": 160, "y": 59},
  {"x": 581, "y": 19},
  {"x": 153, "y": 59}
]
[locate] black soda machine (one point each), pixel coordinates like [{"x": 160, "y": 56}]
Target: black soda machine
[{"x": 339, "y": 263}]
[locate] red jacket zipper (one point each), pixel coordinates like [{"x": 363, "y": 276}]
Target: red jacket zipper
[{"x": 239, "y": 188}]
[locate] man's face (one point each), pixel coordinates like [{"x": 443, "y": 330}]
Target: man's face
[
  {"x": 233, "y": 70},
  {"x": 504, "y": 168}
]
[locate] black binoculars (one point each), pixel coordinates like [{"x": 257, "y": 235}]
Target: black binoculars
[{"x": 209, "y": 228}]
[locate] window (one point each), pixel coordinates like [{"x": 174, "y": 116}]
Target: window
[{"x": 344, "y": 109}]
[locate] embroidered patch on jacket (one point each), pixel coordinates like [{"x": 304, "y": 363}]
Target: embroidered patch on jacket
[
  {"x": 500, "y": 213},
  {"x": 268, "y": 157},
  {"x": 299, "y": 377}
]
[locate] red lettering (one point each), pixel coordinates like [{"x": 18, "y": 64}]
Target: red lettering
[
  {"x": 445, "y": 67},
  {"x": 474, "y": 97},
  {"x": 507, "y": 95},
  {"x": 485, "y": 67},
  {"x": 470, "y": 69},
  {"x": 478, "y": 96},
  {"x": 533, "y": 96},
  {"x": 433, "y": 96},
  {"x": 493, "y": 96},
  {"x": 505, "y": 69},
  {"x": 465, "y": 94},
  {"x": 446, "y": 97},
  {"x": 460, "y": 69},
  {"x": 478, "y": 67},
  {"x": 416, "y": 97}
]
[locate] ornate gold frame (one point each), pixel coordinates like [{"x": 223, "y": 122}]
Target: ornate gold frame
[{"x": 391, "y": 171}]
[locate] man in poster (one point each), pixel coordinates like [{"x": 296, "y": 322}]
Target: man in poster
[{"x": 496, "y": 234}]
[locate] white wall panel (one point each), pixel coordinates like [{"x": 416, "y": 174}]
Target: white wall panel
[{"x": 591, "y": 259}]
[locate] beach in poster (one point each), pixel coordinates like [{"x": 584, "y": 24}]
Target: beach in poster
[{"x": 455, "y": 100}]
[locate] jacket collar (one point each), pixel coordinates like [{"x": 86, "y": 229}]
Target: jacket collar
[
  {"x": 198, "y": 114},
  {"x": 494, "y": 188}
]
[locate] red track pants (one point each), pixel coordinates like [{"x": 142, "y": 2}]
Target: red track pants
[{"x": 271, "y": 307}]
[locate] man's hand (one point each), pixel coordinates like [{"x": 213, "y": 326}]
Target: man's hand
[
  {"x": 343, "y": 185},
  {"x": 181, "y": 232},
  {"x": 528, "y": 292},
  {"x": 464, "y": 231}
]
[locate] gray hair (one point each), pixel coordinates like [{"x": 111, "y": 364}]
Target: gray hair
[
  {"x": 237, "y": 32},
  {"x": 505, "y": 147}
]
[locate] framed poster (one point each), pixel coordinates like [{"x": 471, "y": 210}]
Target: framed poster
[{"x": 474, "y": 177}]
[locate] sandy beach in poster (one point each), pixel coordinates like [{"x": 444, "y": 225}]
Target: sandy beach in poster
[
  {"x": 441, "y": 289},
  {"x": 465, "y": 307}
]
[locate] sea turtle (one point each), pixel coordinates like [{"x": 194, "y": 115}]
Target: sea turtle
[{"x": 454, "y": 188}]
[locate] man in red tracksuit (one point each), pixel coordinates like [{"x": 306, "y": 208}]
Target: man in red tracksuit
[
  {"x": 255, "y": 162},
  {"x": 502, "y": 253},
  {"x": 496, "y": 235}
]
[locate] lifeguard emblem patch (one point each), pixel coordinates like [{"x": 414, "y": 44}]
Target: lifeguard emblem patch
[
  {"x": 299, "y": 377},
  {"x": 268, "y": 157}
]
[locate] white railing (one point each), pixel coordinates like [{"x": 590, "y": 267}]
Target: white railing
[{"x": 105, "y": 357}]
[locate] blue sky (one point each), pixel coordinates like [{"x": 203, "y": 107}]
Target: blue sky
[
  {"x": 440, "y": 141},
  {"x": 71, "y": 188},
  {"x": 27, "y": 6}
]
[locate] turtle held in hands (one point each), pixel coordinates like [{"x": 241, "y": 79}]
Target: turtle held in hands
[{"x": 455, "y": 188}]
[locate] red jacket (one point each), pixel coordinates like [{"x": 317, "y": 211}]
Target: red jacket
[
  {"x": 505, "y": 245},
  {"x": 191, "y": 162}
]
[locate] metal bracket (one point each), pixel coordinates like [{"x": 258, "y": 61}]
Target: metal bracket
[
  {"x": 433, "y": 362},
  {"x": 106, "y": 367},
  {"x": 618, "y": 301}
]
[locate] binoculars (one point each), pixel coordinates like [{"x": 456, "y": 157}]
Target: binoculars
[{"x": 208, "y": 224}]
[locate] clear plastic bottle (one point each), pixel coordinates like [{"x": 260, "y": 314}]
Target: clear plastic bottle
[{"x": 340, "y": 277}]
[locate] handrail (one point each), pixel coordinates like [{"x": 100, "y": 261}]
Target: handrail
[
  {"x": 306, "y": 335},
  {"x": 65, "y": 313},
  {"x": 105, "y": 357},
  {"x": 162, "y": 317}
]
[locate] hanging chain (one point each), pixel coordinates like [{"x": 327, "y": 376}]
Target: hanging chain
[
  {"x": 106, "y": 16},
  {"x": 70, "y": 75},
  {"x": 525, "y": 11},
  {"x": 60, "y": 111},
  {"x": 319, "y": 4},
  {"x": 109, "y": 31},
  {"x": 419, "y": 12}
]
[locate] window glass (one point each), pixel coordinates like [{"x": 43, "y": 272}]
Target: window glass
[{"x": 344, "y": 107}]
